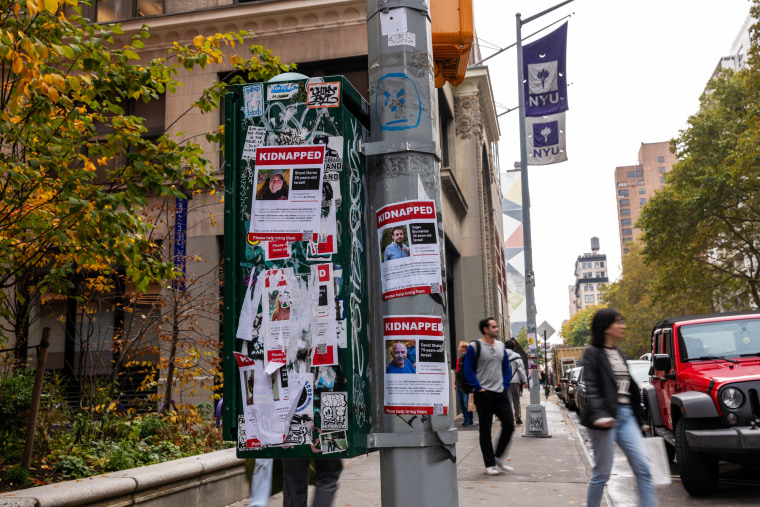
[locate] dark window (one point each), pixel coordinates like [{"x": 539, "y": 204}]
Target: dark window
[
  {"x": 624, "y": 202},
  {"x": 643, "y": 201},
  {"x": 661, "y": 160},
  {"x": 635, "y": 174},
  {"x": 625, "y": 212},
  {"x": 627, "y": 232},
  {"x": 667, "y": 344},
  {"x": 642, "y": 191},
  {"x": 623, "y": 193},
  {"x": 625, "y": 221},
  {"x": 662, "y": 169}
]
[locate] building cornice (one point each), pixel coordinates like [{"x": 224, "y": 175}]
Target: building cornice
[
  {"x": 265, "y": 19},
  {"x": 477, "y": 81}
]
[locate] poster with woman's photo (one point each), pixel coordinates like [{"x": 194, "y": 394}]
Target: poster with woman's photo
[
  {"x": 416, "y": 375},
  {"x": 287, "y": 200},
  {"x": 410, "y": 261}
]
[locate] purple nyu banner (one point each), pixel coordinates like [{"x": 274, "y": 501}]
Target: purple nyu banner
[{"x": 545, "y": 76}]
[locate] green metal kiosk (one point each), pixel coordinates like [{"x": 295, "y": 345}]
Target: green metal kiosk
[{"x": 296, "y": 352}]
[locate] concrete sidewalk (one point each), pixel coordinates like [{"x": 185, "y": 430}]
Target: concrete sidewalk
[{"x": 548, "y": 471}]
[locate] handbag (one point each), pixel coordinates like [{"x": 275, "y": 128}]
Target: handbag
[
  {"x": 471, "y": 403},
  {"x": 658, "y": 460}
]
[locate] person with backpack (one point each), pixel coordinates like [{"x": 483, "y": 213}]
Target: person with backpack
[
  {"x": 519, "y": 378},
  {"x": 487, "y": 369},
  {"x": 463, "y": 389}
]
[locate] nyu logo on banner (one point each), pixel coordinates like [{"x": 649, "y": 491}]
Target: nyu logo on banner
[
  {"x": 545, "y": 77},
  {"x": 546, "y": 139}
]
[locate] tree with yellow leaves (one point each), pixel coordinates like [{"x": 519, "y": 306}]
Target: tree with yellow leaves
[{"x": 76, "y": 168}]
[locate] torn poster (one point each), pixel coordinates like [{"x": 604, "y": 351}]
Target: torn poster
[
  {"x": 331, "y": 198},
  {"x": 280, "y": 322},
  {"x": 277, "y": 250},
  {"x": 288, "y": 199},
  {"x": 302, "y": 421},
  {"x": 410, "y": 261},
  {"x": 247, "y": 368},
  {"x": 324, "y": 341},
  {"x": 416, "y": 376}
]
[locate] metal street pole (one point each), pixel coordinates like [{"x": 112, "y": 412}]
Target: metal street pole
[
  {"x": 546, "y": 369},
  {"x": 537, "y": 425},
  {"x": 417, "y": 452}
]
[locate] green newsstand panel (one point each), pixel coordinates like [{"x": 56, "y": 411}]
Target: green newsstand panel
[{"x": 276, "y": 114}]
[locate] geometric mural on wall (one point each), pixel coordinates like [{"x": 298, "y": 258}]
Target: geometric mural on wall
[{"x": 511, "y": 207}]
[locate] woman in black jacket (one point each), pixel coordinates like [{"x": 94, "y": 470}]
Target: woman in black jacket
[{"x": 613, "y": 409}]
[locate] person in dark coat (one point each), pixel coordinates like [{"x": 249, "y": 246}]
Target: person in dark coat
[{"x": 613, "y": 409}]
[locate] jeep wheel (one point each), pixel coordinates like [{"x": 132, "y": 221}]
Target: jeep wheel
[{"x": 699, "y": 472}]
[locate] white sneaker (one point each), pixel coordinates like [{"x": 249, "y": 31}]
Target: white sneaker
[
  {"x": 502, "y": 464},
  {"x": 493, "y": 471}
]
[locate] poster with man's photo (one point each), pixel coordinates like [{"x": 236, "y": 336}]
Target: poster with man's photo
[
  {"x": 416, "y": 377},
  {"x": 410, "y": 261},
  {"x": 287, "y": 200}
]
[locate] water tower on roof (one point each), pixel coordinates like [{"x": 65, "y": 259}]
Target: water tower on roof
[{"x": 595, "y": 244}]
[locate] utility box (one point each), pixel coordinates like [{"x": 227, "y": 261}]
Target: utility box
[
  {"x": 296, "y": 355},
  {"x": 452, "y": 34}
]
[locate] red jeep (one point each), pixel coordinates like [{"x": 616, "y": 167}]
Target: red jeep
[{"x": 704, "y": 393}]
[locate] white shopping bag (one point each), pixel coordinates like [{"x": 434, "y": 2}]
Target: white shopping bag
[{"x": 658, "y": 460}]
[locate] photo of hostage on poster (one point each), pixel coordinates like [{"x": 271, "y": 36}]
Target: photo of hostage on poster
[
  {"x": 410, "y": 260},
  {"x": 416, "y": 377},
  {"x": 287, "y": 201}
]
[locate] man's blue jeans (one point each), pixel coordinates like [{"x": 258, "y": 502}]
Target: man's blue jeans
[
  {"x": 627, "y": 434},
  {"x": 462, "y": 399}
]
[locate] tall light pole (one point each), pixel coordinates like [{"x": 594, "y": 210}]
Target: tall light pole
[
  {"x": 417, "y": 453},
  {"x": 535, "y": 412}
]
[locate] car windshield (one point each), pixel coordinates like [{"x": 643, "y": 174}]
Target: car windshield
[
  {"x": 717, "y": 340},
  {"x": 639, "y": 371},
  {"x": 575, "y": 374}
]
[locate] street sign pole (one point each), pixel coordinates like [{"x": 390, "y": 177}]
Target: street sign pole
[
  {"x": 536, "y": 423},
  {"x": 417, "y": 452}
]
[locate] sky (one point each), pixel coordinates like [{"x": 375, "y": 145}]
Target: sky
[{"x": 635, "y": 72}]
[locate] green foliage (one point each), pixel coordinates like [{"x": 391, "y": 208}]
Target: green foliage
[
  {"x": 15, "y": 399},
  {"x": 702, "y": 230},
  {"x": 522, "y": 338},
  {"x": 644, "y": 298},
  {"x": 17, "y": 475},
  {"x": 205, "y": 410},
  {"x": 150, "y": 425},
  {"x": 76, "y": 168},
  {"x": 73, "y": 467},
  {"x": 577, "y": 330}
]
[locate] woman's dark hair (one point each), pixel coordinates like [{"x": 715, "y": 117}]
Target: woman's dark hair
[
  {"x": 510, "y": 344},
  {"x": 602, "y": 320}
]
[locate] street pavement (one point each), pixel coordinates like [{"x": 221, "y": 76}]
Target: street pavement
[{"x": 548, "y": 471}]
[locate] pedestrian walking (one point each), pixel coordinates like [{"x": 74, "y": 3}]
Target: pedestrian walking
[
  {"x": 487, "y": 369},
  {"x": 463, "y": 389},
  {"x": 519, "y": 379},
  {"x": 612, "y": 409},
  {"x": 295, "y": 481},
  {"x": 261, "y": 482}
]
